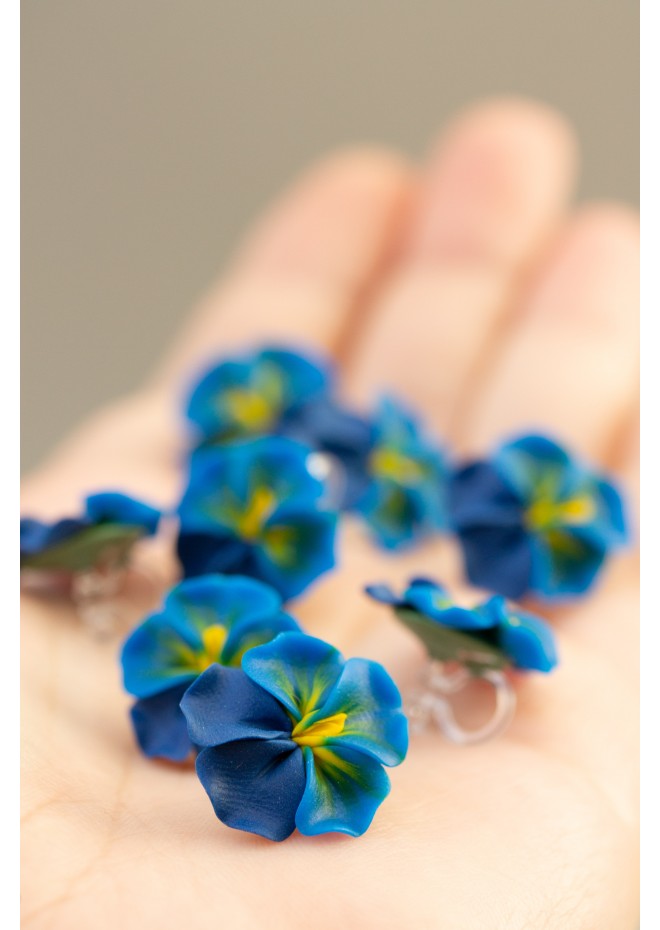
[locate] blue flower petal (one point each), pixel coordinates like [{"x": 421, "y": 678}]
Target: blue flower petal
[
  {"x": 479, "y": 498},
  {"x": 526, "y": 639},
  {"x": 434, "y": 602},
  {"x": 343, "y": 790},
  {"x": 159, "y": 654},
  {"x": 298, "y": 670},
  {"x": 114, "y": 507},
  {"x": 374, "y": 724},
  {"x": 255, "y": 785},
  {"x": 384, "y": 594},
  {"x": 224, "y": 705},
  {"x": 227, "y": 600},
  {"x": 498, "y": 559},
  {"x": 565, "y": 564},
  {"x": 251, "y": 633},
  {"x": 525, "y": 461},
  {"x": 160, "y": 727},
  {"x": 37, "y": 536},
  {"x": 211, "y": 553},
  {"x": 297, "y": 546}
]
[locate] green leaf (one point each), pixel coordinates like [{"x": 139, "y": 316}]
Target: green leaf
[
  {"x": 449, "y": 645},
  {"x": 92, "y": 545}
]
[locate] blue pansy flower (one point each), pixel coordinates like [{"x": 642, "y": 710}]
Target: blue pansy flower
[
  {"x": 254, "y": 395},
  {"x": 297, "y": 737},
  {"x": 107, "y": 529},
  {"x": 533, "y": 519},
  {"x": 493, "y": 634},
  {"x": 253, "y": 508},
  {"x": 203, "y": 621},
  {"x": 403, "y": 492}
]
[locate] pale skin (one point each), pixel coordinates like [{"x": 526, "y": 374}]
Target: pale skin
[{"x": 472, "y": 288}]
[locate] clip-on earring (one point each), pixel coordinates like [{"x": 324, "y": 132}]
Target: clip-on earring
[
  {"x": 465, "y": 644},
  {"x": 86, "y": 558}
]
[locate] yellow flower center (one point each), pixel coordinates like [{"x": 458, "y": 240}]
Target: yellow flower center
[
  {"x": 249, "y": 523},
  {"x": 249, "y": 408},
  {"x": 385, "y": 462},
  {"x": 545, "y": 513},
  {"x": 317, "y": 733}
]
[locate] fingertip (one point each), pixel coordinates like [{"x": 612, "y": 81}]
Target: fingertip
[{"x": 498, "y": 176}]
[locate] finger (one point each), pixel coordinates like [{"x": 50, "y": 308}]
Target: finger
[
  {"x": 299, "y": 278},
  {"x": 569, "y": 366},
  {"x": 301, "y": 273},
  {"x": 496, "y": 185}
]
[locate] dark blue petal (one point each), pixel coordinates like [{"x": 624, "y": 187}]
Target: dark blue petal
[
  {"x": 479, "y": 497},
  {"x": 344, "y": 790},
  {"x": 498, "y": 559},
  {"x": 209, "y": 553},
  {"x": 160, "y": 727},
  {"x": 255, "y": 785},
  {"x": 114, "y": 507},
  {"x": 224, "y": 704},
  {"x": 37, "y": 536}
]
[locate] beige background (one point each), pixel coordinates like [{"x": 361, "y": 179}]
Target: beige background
[{"x": 154, "y": 129}]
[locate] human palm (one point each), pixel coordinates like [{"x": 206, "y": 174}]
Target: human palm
[{"x": 468, "y": 290}]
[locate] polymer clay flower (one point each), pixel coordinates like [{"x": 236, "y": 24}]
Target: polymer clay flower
[
  {"x": 296, "y": 738},
  {"x": 403, "y": 493},
  {"x": 252, "y": 508},
  {"x": 106, "y": 532},
  {"x": 255, "y": 395},
  {"x": 203, "y": 621},
  {"x": 492, "y": 635},
  {"x": 533, "y": 519}
]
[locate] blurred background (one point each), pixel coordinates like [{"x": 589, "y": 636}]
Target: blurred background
[{"x": 154, "y": 130}]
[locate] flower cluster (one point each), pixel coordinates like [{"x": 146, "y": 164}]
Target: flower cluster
[
  {"x": 296, "y": 738},
  {"x": 533, "y": 519},
  {"x": 106, "y": 532},
  {"x": 205, "y": 620},
  {"x": 494, "y": 634}
]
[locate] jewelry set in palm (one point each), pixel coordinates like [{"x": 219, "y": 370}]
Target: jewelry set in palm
[{"x": 287, "y": 734}]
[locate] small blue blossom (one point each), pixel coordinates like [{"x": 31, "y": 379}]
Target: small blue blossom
[
  {"x": 203, "y": 621},
  {"x": 252, "y": 508},
  {"x": 492, "y": 634},
  {"x": 110, "y": 524},
  {"x": 255, "y": 395},
  {"x": 402, "y": 497},
  {"x": 532, "y": 519},
  {"x": 296, "y": 738}
]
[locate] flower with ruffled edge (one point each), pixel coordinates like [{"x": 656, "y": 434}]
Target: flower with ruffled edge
[
  {"x": 252, "y": 508},
  {"x": 533, "y": 519},
  {"x": 109, "y": 526},
  {"x": 296, "y": 738},
  {"x": 203, "y": 621},
  {"x": 403, "y": 481},
  {"x": 492, "y": 635},
  {"x": 256, "y": 394}
]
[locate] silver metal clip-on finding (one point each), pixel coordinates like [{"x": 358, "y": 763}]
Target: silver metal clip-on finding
[{"x": 431, "y": 702}]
